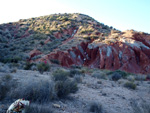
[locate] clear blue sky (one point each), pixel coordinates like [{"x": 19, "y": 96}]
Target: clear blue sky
[{"x": 121, "y": 14}]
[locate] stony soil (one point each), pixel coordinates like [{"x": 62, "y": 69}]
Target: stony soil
[{"x": 111, "y": 94}]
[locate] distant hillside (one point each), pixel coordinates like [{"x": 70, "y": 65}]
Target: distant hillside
[
  {"x": 73, "y": 39},
  {"x": 45, "y": 33}
]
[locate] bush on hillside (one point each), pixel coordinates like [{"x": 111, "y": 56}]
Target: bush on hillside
[
  {"x": 64, "y": 88},
  {"x": 130, "y": 85},
  {"x": 5, "y": 85},
  {"x": 14, "y": 59},
  {"x": 116, "y": 76},
  {"x": 122, "y": 73},
  {"x": 43, "y": 67},
  {"x": 140, "y": 77},
  {"x": 60, "y": 75},
  {"x": 35, "y": 91},
  {"x": 74, "y": 72},
  {"x": 96, "y": 107},
  {"x": 43, "y": 90},
  {"x": 28, "y": 66},
  {"x": 99, "y": 75}
]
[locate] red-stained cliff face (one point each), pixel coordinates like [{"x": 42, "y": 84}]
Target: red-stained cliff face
[
  {"x": 131, "y": 54},
  {"x": 128, "y": 51}
]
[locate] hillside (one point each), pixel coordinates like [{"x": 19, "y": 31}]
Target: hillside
[
  {"x": 70, "y": 63},
  {"x": 46, "y": 34},
  {"x": 74, "y": 39}
]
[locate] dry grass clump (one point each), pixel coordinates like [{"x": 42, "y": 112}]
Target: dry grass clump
[
  {"x": 37, "y": 108},
  {"x": 64, "y": 86},
  {"x": 5, "y": 85},
  {"x": 99, "y": 75},
  {"x": 86, "y": 30},
  {"x": 43, "y": 67},
  {"x": 123, "y": 74},
  {"x": 130, "y": 85},
  {"x": 140, "y": 77},
  {"x": 38, "y": 90},
  {"x": 96, "y": 107},
  {"x": 35, "y": 91},
  {"x": 74, "y": 72},
  {"x": 60, "y": 75}
]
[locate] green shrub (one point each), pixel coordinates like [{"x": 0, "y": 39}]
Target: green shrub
[
  {"x": 39, "y": 36},
  {"x": 42, "y": 43},
  {"x": 96, "y": 107},
  {"x": 74, "y": 72},
  {"x": 43, "y": 67},
  {"x": 64, "y": 88},
  {"x": 28, "y": 66},
  {"x": 131, "y": 78},
  {"x": 87, "y": 37},
  {"x": 6, "y": 60},
  {"x": 122, "y": 73},
  {"x": 140, "y": 77},
  {"x": 60, "y": 75},
  {"x": 15, "y": 59},
  {"x": 116, "y": 76},
  {"x": 63, "y": 19},
  {"x": 130, "y": 85},
  {"x": 99, "y": 75}
]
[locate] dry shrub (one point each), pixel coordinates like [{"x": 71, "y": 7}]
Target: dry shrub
[{"x": 96, "y": 107}]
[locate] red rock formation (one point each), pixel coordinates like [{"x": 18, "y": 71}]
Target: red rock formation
[{"x": 130, "y": 53}]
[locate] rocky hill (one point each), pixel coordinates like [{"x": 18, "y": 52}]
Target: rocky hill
[{"x": 74, "y": 39}]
